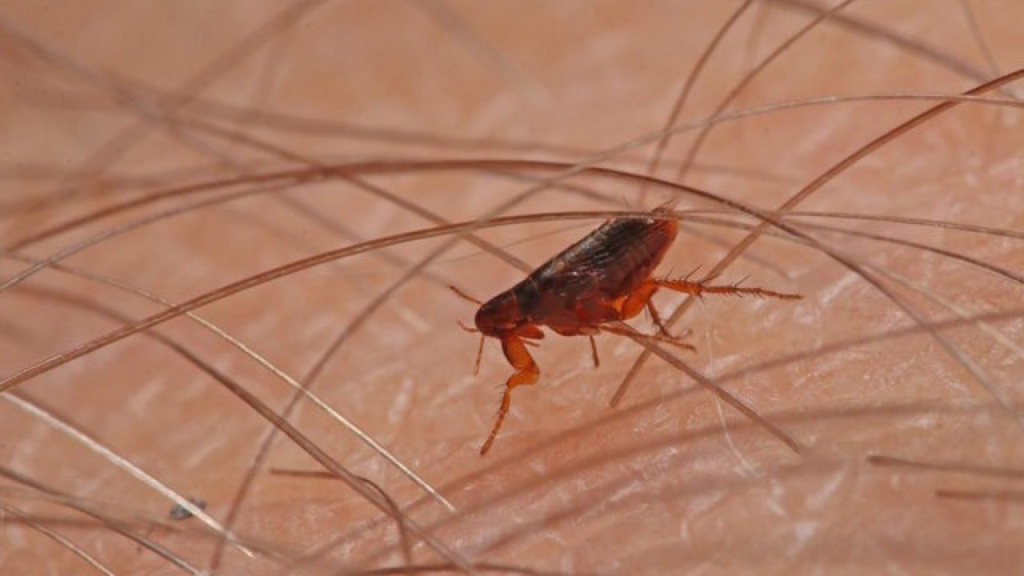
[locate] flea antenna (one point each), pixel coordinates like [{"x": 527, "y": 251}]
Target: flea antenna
[
  {"x": 465, "y": 296},
  {"x": 469, "y": 329},
  {"x": 479, "y": 355}
]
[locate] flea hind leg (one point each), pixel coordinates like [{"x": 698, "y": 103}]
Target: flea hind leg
[
  {"x": 640, "y": 299},
  {"x": 701, "y": 287},
  {"x": 526, "y": 373},
  {"x": 656, "y": 318},
  {"x": 625, "y": 330}
]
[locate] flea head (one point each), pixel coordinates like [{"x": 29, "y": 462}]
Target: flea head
[{"x": 499, "y": 315}]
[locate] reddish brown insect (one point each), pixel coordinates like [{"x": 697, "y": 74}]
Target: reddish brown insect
[{"x": 606, "y": 277}]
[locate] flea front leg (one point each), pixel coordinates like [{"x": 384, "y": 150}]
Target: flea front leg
[{"x": 526, "y": 373}]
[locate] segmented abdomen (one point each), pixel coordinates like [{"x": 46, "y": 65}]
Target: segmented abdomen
[{"x": 612, "y": 261}]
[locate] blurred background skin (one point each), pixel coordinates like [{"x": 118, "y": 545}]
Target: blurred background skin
[{"x": 666, "y": 483}]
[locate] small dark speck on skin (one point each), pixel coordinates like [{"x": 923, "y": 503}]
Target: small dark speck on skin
[{"x": 178, "y": 512}]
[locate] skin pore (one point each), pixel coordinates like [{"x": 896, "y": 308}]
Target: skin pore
[{"x": 227, "y": 124}]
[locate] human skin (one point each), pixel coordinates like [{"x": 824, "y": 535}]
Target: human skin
[{"x": 907, "y": 463}]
